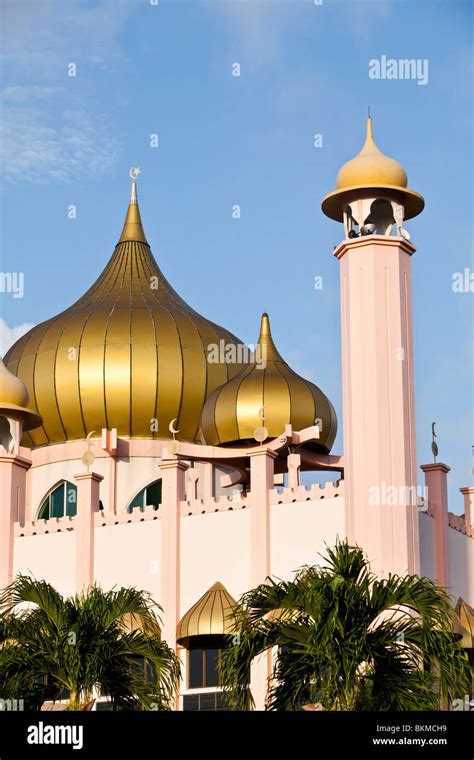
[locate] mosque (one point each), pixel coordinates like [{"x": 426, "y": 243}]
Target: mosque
[{"x": 128, "y": 457}]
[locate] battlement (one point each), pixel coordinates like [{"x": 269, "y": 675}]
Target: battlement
[
  {"x": 313, "y": 492},
  {"x": 458, "y": 522}
]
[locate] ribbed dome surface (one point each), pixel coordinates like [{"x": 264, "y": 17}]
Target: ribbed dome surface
[
  {"x": 128, "y": 352},
  {"x": 231, "y": 413}
]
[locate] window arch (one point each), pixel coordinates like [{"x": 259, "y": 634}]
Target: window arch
[
  {"x": 60, "y": 501},
  {"x": 147, "y": 497}
]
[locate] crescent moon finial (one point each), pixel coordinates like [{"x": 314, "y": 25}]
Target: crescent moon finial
[{"x": 171, "y": 427}]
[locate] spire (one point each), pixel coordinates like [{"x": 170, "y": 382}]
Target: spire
[
  {"x": 370, "y": 145},
  {"x": 265, "y": 341},
  {"x": 133, "y": 228}
]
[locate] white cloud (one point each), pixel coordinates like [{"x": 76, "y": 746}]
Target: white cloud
[
  {"x": 27, "y": 93},
  {"x": 37, "y": 148},
  {"x": 54, "y": 130},
  {"x": 9, "y": 335}
]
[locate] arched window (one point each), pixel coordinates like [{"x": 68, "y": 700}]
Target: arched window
[
  {"x": 148, "y": 496},
  {"x": 60, "y": 501}
]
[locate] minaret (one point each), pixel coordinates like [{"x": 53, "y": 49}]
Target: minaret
[
  {"x": 15, "y": 417},
  {"x": 372, "y": 200}
]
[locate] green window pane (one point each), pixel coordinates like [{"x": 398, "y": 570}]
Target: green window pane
[
  {"x": 57, "y": 502},
  {"x": 153, "y": 494},
  {"x": 71, "y": 499},
  {"x": 43, "y": 513},
  {"x": 138, "y": 500}
]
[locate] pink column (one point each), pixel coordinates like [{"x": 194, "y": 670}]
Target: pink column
[
  {"x": 294, "y": 464},
  {"x": 261, "y": 483},
  {"x": 468, "y": 494},
  {"x": 12, "y": 499},
  {"x": 87, "y": 504},
  {"x": 436, "y": 481},
  {"x": 208, "y": 487},
  {"x": 173, "y": 473},
  {"x": 378, "y": 401}
]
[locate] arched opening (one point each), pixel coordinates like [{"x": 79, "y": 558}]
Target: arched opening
[
  {"x": 150, "y": 496},
  {"x": 61, "y": 500},
  {"x": 381, "y": 216}
]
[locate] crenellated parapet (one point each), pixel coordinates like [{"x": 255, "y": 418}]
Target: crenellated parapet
[
  {"x": 313, "y": 492},
  {"x": 458, "y": 522}
]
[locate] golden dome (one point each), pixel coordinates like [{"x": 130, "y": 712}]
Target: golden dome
[
  {"x": 371, "y": 169},
  {"x": 129, "y": 352},
  {"x": 14, "y": 399},
  {"x": 210, "y": 616},
  {"x": 231, "y": 413}
]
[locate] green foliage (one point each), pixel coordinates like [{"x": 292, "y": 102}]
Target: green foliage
[
  {"x": 348, "y": 640},
  {"x": 49, "y": 644}
]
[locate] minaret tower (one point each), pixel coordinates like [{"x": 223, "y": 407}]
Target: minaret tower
[
  {"x": 15, "y": 417},
  {"x": 372, "y": 200}
]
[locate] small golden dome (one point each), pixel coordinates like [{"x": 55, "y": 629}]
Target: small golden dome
[
  {"x": 130, "y": 354},
  {"x": 12, "y": 389},
  {"x": 371, "y": 169},
  {"x": 232, "y": 413},
  {"x": 14, "y": 399},
  {"x": 211, "y": 615}
]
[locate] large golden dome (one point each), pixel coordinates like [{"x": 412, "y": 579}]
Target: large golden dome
[
  {"x": 371, "y": 169},
  {"x": 128, "y": 352},
  {"x": 231, "y": 414}
]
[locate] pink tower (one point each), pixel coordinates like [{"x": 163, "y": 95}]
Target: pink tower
[
  {"x": 15, "y": 417},
  {"x": 372, "y": 200}
]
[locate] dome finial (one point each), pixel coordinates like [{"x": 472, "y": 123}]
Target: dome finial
[
  {"x": 133, "y": 228},
  {"x": 134, "y": 172},
  {"x": 265, "y": 341}
]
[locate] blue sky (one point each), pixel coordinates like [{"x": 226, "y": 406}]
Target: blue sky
[{"x": 166, "y": 69}]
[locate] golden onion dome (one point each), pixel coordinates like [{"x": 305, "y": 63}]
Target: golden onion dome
[
  {"x": 266, "y": 393},
  {"x": 14, "y": 399},
  {"x": 130, "y": 354},
  {"x": 211, "y": 615},
  {"x": 371, "y": 169}
]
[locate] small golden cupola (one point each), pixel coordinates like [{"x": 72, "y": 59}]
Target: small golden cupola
[
  {"x": 14, "y": 399},
  {"x": 211, "y": 615},
  {"x": 130, "y": 354},
  {"x": 269, "y": 394},
  {"x": 382, "y": 181}
]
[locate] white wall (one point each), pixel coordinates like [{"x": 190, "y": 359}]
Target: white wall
[
  {"x": 50, "y": 557},
  {"x": 129, "y": 555},
  {"x": 299, "y": 532},
  {"x": 427, "y": 549},
  {"x": 461, "y": 566},
  {"x": 214, "y": 547}
]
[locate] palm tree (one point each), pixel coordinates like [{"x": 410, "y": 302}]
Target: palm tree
[
  {"x": 52, "y": 646},
  {"x": 347, "y": 640}
]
